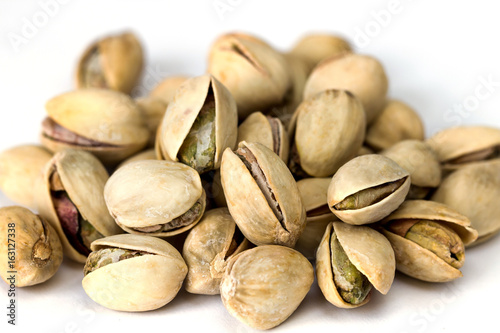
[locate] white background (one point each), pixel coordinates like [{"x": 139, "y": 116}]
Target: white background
[{"x": 437, "y": 55}]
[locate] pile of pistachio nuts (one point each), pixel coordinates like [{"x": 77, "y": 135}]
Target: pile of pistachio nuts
[{"x": 247, "y": 181}]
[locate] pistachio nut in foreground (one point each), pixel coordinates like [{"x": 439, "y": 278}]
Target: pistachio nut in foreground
[
  {"x": 113, "y": 62},
  {"x": 208, "y": 248},
  {"x": 133, "y": 273},
  {"x": 20, "y": 167},
  {"x": 263, "y": 286},
  {"x": 38, "y": 251},
  {"x": 350, "y": 261},
  {"x": 199, "y": 124},
  {"x": 262, "y": 195},
  {"x": 70, "y": 197},
  {"x": 155, "y": 198},
  {"x": 473, "y": 191},
  {"x": 104, "y": 122},
  {"x": 367, "y": 188}
]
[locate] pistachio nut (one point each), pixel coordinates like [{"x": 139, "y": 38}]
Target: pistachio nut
[
  {"x": 256, "y": 75},
  {"x": 263, "y": 286},
  {"x": 262, "y": 195},
  {"x": 208, "y": 248},
  {"x": 420, "y": 161},
  {"x": 397, "y": 122},
  {"x": 104, "y": 122},
  {"x": 148, "y": 154},
  {"x": 364, "y": 150},
  {"x": 166, "y": 89},
  {"x": 266, "y": 130},
  {"x": 113, "y": 62},
  {"x": 350, "y": 261},
  {"x": 329, "y": 130},
  {"x": 367, "y": 188},
  {"x": 473, "y": 191},
  {"x": 71, "y": 199},
  {"x": 20, "y": 166},
  {"x": 155, "y": 198},
  {"x": 133, "y": 273},
  {"x": 362, "y": 75},
  {"x": 38, "y": 251},
  {"x": 152, "y": 110},
  {"x": 464, "y": 145},
  {"x": 199, "y": 124},
  {"x": 218, "y": 191}
]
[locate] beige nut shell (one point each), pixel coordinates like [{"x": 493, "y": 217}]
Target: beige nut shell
[{"x": 166, "y": 89}]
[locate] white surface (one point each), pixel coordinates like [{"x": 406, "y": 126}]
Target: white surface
[{"x": 436, "y": 54}]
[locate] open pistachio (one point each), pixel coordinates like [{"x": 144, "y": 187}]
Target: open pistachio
[
  {"x": 329, "y": 130},
  {"x": 29, "y": 246},
  {"x": 152, "y": 110},
  {"x": 256, "y": 75},
  {"x": 155, "y": 198},
  {"x": 263, "y": 286},
  {"x": 208, "y": 248},
  {"x": 199, "y": 124},
  {"x": 104, "y": 122},
  {"x": 396, "y": 122},
  {"x": 350, "y": 260},
  {"x": 114, "y": 62},
  {"x": 266, "y": 130},
  {"x": 262, "y": 195},
  {"x": 166, "y": 89},
  {"x": 362, "y": 75},
  {"x": 133, "y": 273},
  {"x": 20, "y": 166},
  {"x": 367, "y": 189},
  {"x": 71, "y": 199}
]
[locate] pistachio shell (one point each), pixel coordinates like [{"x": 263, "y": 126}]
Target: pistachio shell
[
  {"x": 152, "y": 110},
  {"x": 149, "y": 154},
  {"x": 364, "y": 151},
  {"x": 166, "y": 89},
  {"x": 20, "y": 166},
  {"x": 299, "y": 71}
]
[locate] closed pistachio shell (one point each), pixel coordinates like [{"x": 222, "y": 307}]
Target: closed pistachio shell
[
  {"x": 152, "y": 110},
  {"x": 166, "y": 89},
  {"x": 20, "y": 166},
  {"x": 397, "y": 122}
]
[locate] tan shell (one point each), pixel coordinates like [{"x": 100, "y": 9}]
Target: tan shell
[
  {"x": 149, "y": 154},
  {"x": 455, "y": 142},
  {"x": 362, "y": 75},
  {"x": 397, "y": 122},
  {"x": 364, "y": 150},
  {"x": 206, "y": 251},
  {"x": 101, "y": 115},
  {"x": 473, "y": 191},
  {"x": 299, "y": 72},
  {"x": 361, "y": 173},
  {"x": 218, "y": 191},
  {"x": 38, "y": 251},
  {"x": 147, "y": 193},
  {"x": 182, "y": 113},
  {"x": 152, "y": 110},
  {"x": 120, "y": 59},
  {"x": 248, "y": 205},
  {"x": 256, "y": 75},
  {"x": 142, "y": 283},
  {"x": 329, "y": 131},
  {"x": 167, "y": 88},
  {"x": 257, "y": 128},
  {"x": 83, "y": 178},
  {"x": 263, "y": 286},
  {"x": 20, "y": 166},
  {"x": 368, "y": 250}
]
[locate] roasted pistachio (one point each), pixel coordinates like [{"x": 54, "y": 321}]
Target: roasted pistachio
[
  {"x": 152, "y": 110},
  {"x": 149, "y": 154},
  {"x": 166, "y": 89}
]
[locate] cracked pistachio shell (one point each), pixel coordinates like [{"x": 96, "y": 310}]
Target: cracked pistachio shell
[
  {"x": 208, "y": 248},
  {"x": 183, "y": 111},
  {"x": 83, "y": 178},
  {"x": 329, "y": 131},
  {"x": 150, "y": 193},
  {"x": 464, "y": 145},
  {"x": 152, "y": 110},
  {"x": 20, "y": 166},
  {"x": 364, "y": 173},
  {"x": 362, "y": 75},
  {"x": 105, "y": 116},
  {"x": 247, "y": 202},
  {"x": 263, "y": 286},
  {"x": 166, "y": 89},
  {"x": 266, "y": 130},
  {"x": 368, "y": 250},
  {"x": 38, "y": 251},
  {"x": 142, "y": 283},
  {"x": 420, "y": 161},
  {"x": 397, "y": 122},
  {"x": 473, "y": 191},
  {"x": 256, "y": 75},
  {"x": 115, "y": 62}
]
